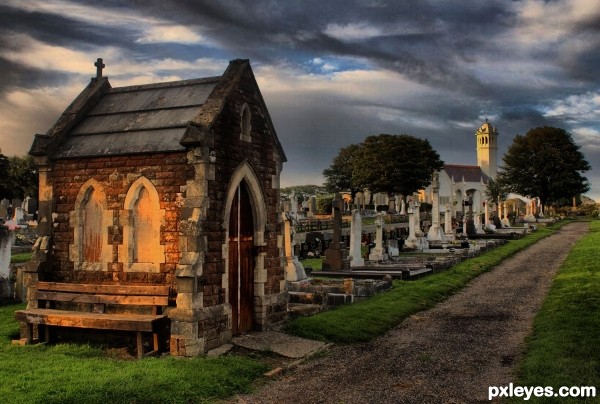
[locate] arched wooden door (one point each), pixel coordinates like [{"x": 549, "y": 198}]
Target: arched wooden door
[{"x": 241, "y": 262}]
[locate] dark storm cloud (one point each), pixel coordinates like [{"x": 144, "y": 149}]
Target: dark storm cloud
[{"x": 510, "y": 61}]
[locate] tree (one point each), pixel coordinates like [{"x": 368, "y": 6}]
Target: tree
[
  {"x": 495, "y": 191},
  {"x": 18, "y": 177},
  {"x": 395, "y": 164},
  {"x": 338, "y": 177},
  {"x": 545, "y": 163}
]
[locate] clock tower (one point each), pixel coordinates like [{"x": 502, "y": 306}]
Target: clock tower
[{"x": 487, "y": 149}]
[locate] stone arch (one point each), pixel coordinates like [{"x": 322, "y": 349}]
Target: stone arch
[
  {"x": 90, "y": 220},
  {"x": 245, "y": 176},
  {"x": 246, "y": 123},
  {"x": 141, "y": 218}
]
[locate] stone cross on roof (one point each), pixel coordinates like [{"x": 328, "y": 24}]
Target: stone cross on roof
[{"x": 99, "y": 66}]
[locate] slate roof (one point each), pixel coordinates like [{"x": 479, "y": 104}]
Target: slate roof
[
  {"x": 469, "y": 173},
  {"x": 161, "y": 117},
  {"x": 138, "y": 119}
]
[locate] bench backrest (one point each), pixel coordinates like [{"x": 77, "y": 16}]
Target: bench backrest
[{"x": 135, "y": 295}]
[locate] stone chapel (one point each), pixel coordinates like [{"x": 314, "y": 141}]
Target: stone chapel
[{"x": 172, "y": 184}]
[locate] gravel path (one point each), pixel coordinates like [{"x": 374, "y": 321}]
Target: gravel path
[{"x": 449, "y": 354}]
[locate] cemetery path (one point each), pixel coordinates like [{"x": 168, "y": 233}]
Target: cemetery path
[{"x": 449, "y": 354}]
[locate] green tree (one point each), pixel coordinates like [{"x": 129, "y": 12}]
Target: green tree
[
  {"x": 395, "y": 164},
  {"x": 338, "y": 177},
  {"x": 545, "y": 163},
  {"x": 495, "y": 191},
  {"x": 18, "y": 177},
  {"x": 4, "y": 165}
]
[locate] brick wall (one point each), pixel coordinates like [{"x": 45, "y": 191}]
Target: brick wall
[{"x": 167, "y": 172}]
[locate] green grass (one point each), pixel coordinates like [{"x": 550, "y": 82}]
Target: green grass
[
  {"x": 370, "y": 318},
  {"x": 70, "y": 373},
  {"x": 20, "y": 258},
  {"x": 315, "y": 263},
  {"x": 563, "y": 349}
]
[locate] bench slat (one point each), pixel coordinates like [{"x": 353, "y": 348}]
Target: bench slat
[
  {"x": 65, "y": 318},
  {"x": 103, "y": 299},
  {"x": 82, "y": 288}
]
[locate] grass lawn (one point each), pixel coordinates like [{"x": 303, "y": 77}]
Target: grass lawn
[
  {"x": 563, "y": 349},
  {"x": 20, "y": 258},
  {"x": 365, "y": 320},
  {"x": 69, "y": 373}
]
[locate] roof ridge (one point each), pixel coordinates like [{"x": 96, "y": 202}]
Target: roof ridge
[{"x": 165, "y": 84}]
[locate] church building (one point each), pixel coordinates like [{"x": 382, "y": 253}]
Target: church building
[
  {"x": 173, "y": 184},
  {"x": 461, "y": 185}
]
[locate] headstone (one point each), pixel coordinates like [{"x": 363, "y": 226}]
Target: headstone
[
  {"x": 392, "y": 205},
  {"x": 6, "y": 241},
  {"x": 336, "y": 255},
  {"x": 393, "y": 247},
  {"x": 435, "y": 232},
  {"x": 486, "y": 208},
  {"x": 417, "y": 207},
  {"x": 19, "y": 217},
  {"x": 16, "y": 203},
  {"x": 356, "y": 240},
  {"x": 403, "y": 208},
  {"x": 377, "y": 253},
  {"x": 448, "y": 230},
  {"x": 4, "y": 204},
  {"x": 32, "y": 206},
  {"x": 505, "y": 220},
  {"x": 478, "y": 227},
  {"x": 294, "y": 271},
  {"x": 312, "y": 206},
  {"x": 294, "y": 204},
  {"x": 411, "y": 241}
]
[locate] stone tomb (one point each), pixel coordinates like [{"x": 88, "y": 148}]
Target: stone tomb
[{"x": 169, "y": 184}]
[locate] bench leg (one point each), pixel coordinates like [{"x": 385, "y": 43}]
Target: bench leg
[
  {"x": 158, "y": 345},
  {"x": 140, "y": 345},
  {"x": 47, "y": 333},
  {"x": 30, "y": 333}
]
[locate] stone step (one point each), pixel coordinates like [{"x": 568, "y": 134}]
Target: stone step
[
  {"x": 302, "y": 297},
  {"x": 303, "y": 310}
]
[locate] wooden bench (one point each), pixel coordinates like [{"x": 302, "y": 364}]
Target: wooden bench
[{"x": 86, "y": 307}]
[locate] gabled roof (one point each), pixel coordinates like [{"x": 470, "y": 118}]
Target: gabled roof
[
  {"x": 163, "y": 117},
  {"x": 469, "y": 173}
]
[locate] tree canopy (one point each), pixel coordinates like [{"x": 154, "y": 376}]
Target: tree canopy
[
  {"x": 545, "y": 163},
  {"x": 18, "y": 177},
  {"x": 395, "y": 164},
  {"x": 339, "y": 175}
]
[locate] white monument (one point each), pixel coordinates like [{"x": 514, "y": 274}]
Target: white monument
[
  {"x": 435, "y": 232},
  {"x": 356, "y": 239},
  {"x": 377, "y": 253},
  {"x": 294, "y": 271}
]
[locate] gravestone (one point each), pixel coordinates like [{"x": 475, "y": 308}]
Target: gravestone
[
  {"x": 356, "y": 240},
  {"x": 312, "y": 206},
  {"x": 505, "y": 220},
  {"x": 377, "y": 253},
  {"x": 31, "y": 206},
  {"x": 448, "y": 230},
  {"x": 294, "y": 271},
  {"x": 411, "y": 241},
  {"x": 435, "y": 233},
  {"x": 4, "y": 205},
  {"x": 336, "y": 256},
  {"x": 393, "y": 247},
  {"x": 403, "y": 208},
  {"x": 16, "y": 203}
]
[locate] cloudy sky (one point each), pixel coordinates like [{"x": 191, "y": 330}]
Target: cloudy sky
[{"x": 331, "y": 71}]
